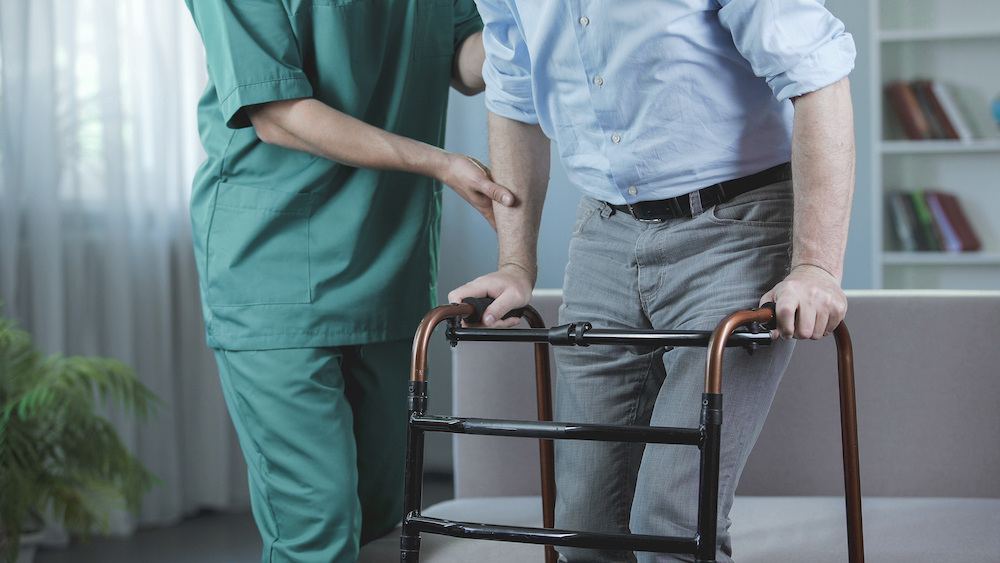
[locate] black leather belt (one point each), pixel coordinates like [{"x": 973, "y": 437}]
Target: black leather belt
[{"x": 680, "y": 206}]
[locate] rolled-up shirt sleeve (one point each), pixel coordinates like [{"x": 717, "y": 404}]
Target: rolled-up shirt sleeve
[
  {"x": 798, "y": 46},
  {"x": 507, "y": 70},
  {"x": 251, "y": 54}
]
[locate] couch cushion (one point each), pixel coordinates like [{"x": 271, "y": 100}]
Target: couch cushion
[
  {"x": 927, "y": 382},
  {"x": 914, "y": 530}
]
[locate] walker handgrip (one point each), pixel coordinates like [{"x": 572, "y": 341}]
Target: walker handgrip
[{"x": 480, "y": 304}]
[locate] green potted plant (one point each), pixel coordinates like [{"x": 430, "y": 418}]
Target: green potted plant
[{"x": 58, "y": 455}]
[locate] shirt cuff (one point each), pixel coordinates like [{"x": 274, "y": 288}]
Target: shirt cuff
[
  {"x": 507, "y": 97},
  {"x": 286, "y": 88},
  {"x": 823, "y": 67}
]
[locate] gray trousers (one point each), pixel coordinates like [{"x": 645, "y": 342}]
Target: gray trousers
[{"x": 684, "y": 274}]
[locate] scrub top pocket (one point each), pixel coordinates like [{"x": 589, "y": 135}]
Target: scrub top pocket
[
  {"x": 258, "y": 247},
  {"x": 434, "y": 33}
]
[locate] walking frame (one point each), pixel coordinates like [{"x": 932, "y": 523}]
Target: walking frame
[{"x": 748, "y": 329}]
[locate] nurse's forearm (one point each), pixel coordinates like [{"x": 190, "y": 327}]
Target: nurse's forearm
[
  {"x": 308, "y": 125},
  {"x": 467, "y": 66}
]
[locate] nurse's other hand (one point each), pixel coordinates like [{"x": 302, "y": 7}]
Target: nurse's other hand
[{"x": 471, "y": 179}]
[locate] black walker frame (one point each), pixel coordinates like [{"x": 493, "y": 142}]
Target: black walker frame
[{"x": 706, "y": 437}]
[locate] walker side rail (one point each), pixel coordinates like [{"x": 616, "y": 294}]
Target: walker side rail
[{"x": 707, "y": 436}]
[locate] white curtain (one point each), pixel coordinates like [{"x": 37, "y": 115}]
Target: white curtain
[{"x": 99, "y": 145}]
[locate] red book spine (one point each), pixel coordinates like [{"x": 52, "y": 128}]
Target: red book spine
[
  {"x": 948, "y": 129},
  {"x": 907, "y": 108},
  {"x": 958, "y": 220}
]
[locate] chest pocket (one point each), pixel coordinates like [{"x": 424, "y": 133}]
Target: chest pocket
[{"x": 434, "y": 33}]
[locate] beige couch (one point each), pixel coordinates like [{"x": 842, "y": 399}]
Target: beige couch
[{"x": 928, "y": 384}]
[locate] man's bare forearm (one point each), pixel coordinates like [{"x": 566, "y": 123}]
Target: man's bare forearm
[
  {"x": 519, "y": 156},
  {"x": 809, "y": 302},
  {"x": 823, "y": 157}
]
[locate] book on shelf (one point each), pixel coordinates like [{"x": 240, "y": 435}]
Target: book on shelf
[
  {"x": 903, "y": 220},
  {"x": 941, "y": 124},
  {"x": 927, "y": 109},
  {"x": 930, "y": 220},
  {"x": 928, "y": 229},
  {"x": 958, "y": 221},
  {"x": 951, "y": 110},
  {"x": 904, "y": 103},
  {"x": 951, "y": 242}
]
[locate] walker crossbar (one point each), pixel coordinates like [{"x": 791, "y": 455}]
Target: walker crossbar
[
  {"x": 570, "y": 335},
  {"x": 558, "y": 430},
  {"x": 519, "y": 534},
  {"x": 707, "y": 436}
]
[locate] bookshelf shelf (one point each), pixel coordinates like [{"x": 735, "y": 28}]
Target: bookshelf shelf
[
  {"x": 958, "y": 49},
  {"x": 941, "y": 259},
  {"x": 939, "y": 146},
  {"x": 929, "y": 34}
]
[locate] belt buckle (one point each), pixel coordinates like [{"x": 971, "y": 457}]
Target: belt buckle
[
  {"x": 642, "y": 219},
  {"x": 672, "y": 208}
]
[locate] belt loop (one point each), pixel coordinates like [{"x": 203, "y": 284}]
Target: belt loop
[
  {"x": 695, "y": 200},
  {"x": 606, "y": 210}
]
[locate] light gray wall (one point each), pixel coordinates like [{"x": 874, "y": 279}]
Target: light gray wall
[
  {"x": 859, "y": 262},
  {"x": 468, "y": 244}
]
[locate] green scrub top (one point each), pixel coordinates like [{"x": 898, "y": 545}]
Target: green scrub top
[{"x": 294, "y": 250}]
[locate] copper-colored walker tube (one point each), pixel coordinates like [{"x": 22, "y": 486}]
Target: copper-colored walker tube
[
  {"x": 421, "y": 340},
  {"x": 543, "y": 385},
  {"x": 848, "y": 411}
]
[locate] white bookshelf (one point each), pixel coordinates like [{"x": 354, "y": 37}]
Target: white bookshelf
[{"x": 957, "y": 44}]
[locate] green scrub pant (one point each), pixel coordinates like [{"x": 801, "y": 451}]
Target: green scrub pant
[{"x": 323, "y": 431}]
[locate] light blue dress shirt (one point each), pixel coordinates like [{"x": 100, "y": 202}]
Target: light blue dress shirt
[{"x": 650, "y": 99}]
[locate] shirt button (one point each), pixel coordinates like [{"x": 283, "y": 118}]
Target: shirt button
[
  {"x": 616, "y": 138},
  {"x": 598, "y": 80},
  {"x": 584, "y": 21},
  {"x": 632, "y": 191}
]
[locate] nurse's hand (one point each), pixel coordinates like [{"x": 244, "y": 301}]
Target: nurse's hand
[{"x": 471, "y": 179}]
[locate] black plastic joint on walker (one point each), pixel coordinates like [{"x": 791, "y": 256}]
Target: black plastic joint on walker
[
  {"x": 711, "y": 409},
  {"x": 417, "y": 399},
  {"x": 757, "y": 328},
  {"x": 409, "y": 549},
  {"x": 568, "y": 335},
  {"x": 449, "y": 333}
]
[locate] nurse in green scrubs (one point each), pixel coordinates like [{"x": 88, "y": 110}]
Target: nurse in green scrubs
[{"x": 316, "y": 218}]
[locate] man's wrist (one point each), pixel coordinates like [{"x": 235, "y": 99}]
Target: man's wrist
[
  {"x": 813, "y": 266},
  {"x": 530, "y": 271}
]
